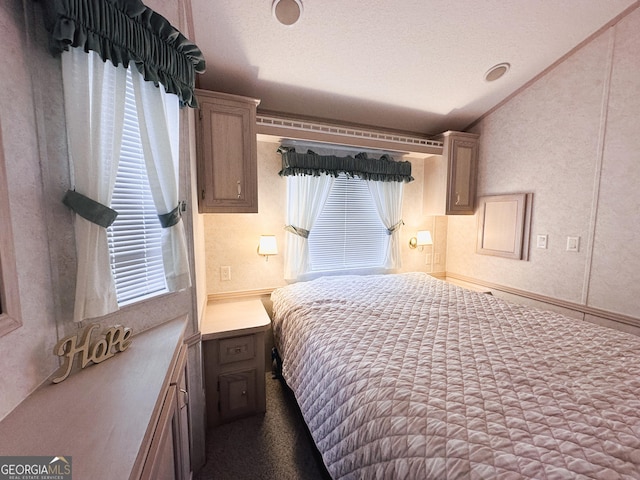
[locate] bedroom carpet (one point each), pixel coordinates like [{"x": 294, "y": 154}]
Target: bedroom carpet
[{"x": 275, "y": 445}]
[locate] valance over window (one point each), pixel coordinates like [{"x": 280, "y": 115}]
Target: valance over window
[
  {"x": 383, "y": 169},
  {"x": 124, "y": 31}
]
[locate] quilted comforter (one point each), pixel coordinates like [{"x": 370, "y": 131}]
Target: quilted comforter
[{"x": 408, "y": 377}]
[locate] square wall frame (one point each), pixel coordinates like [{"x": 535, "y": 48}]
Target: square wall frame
[{"x": 504, "y": 225}]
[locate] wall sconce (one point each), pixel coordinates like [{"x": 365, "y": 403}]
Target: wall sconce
[
  {"x": 421, "y": 239},
  {"x": 267, "y": 246}
]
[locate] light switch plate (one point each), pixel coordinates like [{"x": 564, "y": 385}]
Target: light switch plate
[
  {"x": 542, "y": 241},
  {"x": 573, "y": 244}
]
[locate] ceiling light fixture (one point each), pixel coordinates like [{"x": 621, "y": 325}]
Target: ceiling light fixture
[
  {"x": 287, "y": 12},
  {"x": 496, "y": 72}
]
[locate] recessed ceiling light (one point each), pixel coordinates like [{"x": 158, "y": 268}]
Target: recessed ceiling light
[
  {"x": 496, "y": 72},
  {"x": 287, "y": 12}
]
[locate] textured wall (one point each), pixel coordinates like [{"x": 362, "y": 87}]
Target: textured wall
[
  {"x": 36, "y": 160},
  {"x": 26, "y": 352},
  {"x": 571, "y": 139}
]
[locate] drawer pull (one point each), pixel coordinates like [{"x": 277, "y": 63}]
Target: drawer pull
[
  {"x": 239, "y": 189},
  {"x": 186, "y": 397},
  {"x": 238, "y": 350}
]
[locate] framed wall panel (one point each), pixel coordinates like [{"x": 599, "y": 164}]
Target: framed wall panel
[{"x": 504, "y": 225}]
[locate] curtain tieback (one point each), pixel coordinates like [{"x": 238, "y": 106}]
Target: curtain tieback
[
  {"x": 297, "y": 231},
  {"x": 89, "y": 209},
  {"x": 172, "y": 218},
  {"x": 395, "y": 227}
]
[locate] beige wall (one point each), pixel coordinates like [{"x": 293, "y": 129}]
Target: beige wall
[
  {"x": 36, "y": 160},
  {"x": 232, "y": 239},
  {"x": 572, "y": 139}
]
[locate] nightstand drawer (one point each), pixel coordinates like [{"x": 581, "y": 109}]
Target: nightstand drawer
[{"x": 237, "y": 349}]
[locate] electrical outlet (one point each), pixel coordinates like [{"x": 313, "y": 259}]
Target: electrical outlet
[{"x": 225, "y": 273}]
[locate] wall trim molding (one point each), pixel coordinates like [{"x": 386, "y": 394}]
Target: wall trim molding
[
  {"x": 273, "y": 124},
  {"x": 583, "y": 309},
  {"x": 193, "y": 339},
  {"x": 240, "y": 294}
]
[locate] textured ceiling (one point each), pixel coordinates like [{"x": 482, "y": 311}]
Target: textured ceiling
[{"x": 412, "y": 65}]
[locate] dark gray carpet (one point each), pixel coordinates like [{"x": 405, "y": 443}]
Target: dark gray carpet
[{"x": 274, "y": 445}]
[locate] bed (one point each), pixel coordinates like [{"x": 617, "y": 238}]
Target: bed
[{"x": 405, "y": 376}]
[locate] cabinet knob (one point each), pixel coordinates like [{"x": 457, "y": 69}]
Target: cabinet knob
[
  {"x": 457, "y": 198},
  {"x": 239, "y": 189},
  {"x": 244, "y": 393}
]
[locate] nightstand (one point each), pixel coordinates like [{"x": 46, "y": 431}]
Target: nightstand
[{"x": 233, "y": 343}]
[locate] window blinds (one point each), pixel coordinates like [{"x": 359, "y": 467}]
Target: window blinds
[
  {"x": 348, "y": 234},
  {"x": 134, "y": 238}
]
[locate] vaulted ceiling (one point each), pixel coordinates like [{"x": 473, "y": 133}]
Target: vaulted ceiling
[{"x": 411, "y": 65}]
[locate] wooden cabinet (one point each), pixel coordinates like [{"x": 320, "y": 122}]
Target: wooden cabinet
[
  {"x": 121, "y": 418},
  {"x": 450, "y": 180},
  {"x": 227, "y": 153},
  {"x": 233, "y": 339},
  {"x": 168, "y": 456}
]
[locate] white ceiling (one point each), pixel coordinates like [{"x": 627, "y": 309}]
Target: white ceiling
[{"x": 412, "y": 65}]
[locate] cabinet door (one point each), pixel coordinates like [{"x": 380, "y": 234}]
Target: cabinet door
[
  {"x": 181, "y": 419},
  {"x": 238, "y": 394},
  {"x": 227, "y": 157},
  {"x": 160, "y": 463},
  {"x": 461, "y": 191}
]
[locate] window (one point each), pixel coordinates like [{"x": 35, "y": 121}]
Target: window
[
  {"x": 348, "y": 234},
  {"x": 135, "y": 247}
]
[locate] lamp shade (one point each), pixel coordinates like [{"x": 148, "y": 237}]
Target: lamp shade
[
  {"x": 268, "y": 245},
  {"x": 424, "y": 238}
]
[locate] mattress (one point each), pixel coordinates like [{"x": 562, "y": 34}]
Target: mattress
[{"x": 408, "y": 377}]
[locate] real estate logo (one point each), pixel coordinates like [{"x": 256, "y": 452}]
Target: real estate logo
[{"x": 35, "y": 468}]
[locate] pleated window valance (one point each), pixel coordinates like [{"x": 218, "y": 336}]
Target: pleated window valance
[
  {"x": 383, "y": 169},
  {"x": 124, "y": 31}
]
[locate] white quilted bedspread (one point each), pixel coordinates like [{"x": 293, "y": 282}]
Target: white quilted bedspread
[{"x": 408, "y": 377}]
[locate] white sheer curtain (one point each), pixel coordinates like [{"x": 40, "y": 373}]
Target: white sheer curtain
[
  {"x": 306, "y": 196},
  {"x": 158, "y": 114},
  {"x": 94, "y": 107},
  {"x": 387, "y": 197}
]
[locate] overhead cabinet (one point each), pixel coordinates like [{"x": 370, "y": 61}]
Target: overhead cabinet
[
  {"x": 227, "y": 153},
  {"x": 450, "y": 179}
]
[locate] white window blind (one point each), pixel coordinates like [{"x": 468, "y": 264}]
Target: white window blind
[
  {"x": 348, "y": 235},
  {"x": 135, "y": 237}
]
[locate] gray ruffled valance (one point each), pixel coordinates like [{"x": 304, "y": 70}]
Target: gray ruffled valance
[
  {"x": 383, "y": 169},
  {"x": 125, "y": 31}
]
